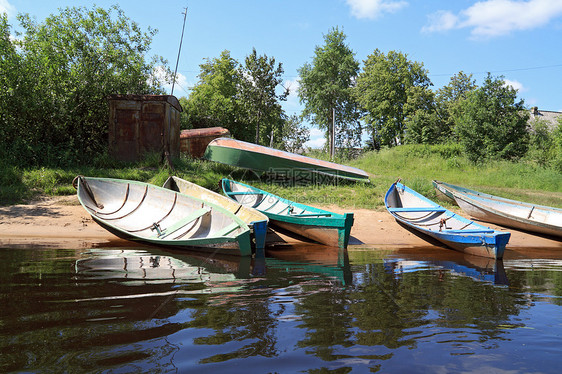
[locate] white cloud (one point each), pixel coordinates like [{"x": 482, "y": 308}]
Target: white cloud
[
  {"x": 315, "y": 143},
  {"x": 516, "y": 85},
  {"x": 293, "y": 87},
  {"x": 181, "y": 84},
  {"x": 441, "y": 21},
  {"x": 292, "y": 105},
  {"x": 315, "y": 133},
  {"x": 492, "y": 18},
  {"x": 317, "y": 139},
  {"x": 6, "y": 7},
  {"x": 372, "y": 9}
]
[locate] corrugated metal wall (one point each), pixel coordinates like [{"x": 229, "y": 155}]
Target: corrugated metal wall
[{"x": 139, "y": 124}]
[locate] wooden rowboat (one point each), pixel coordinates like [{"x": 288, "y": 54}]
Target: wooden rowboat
[
  {"x": 505, "y": 212},
  {"x": 416, "y": 211},
  {"x": 143, "y": 212},
  {"x": 256, "y": 157},
  {"x": 256, "y": 220},
  {"x": 320, "y": 225}
]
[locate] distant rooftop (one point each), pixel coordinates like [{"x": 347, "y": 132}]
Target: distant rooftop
[{"x": 550, "y": 117}]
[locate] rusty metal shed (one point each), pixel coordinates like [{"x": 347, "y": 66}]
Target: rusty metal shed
[{"x": 139, "y": 124}]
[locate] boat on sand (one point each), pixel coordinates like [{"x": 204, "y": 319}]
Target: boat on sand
[
  {"x": 328, "y": 228},
  {"x": 154, "y": 215},
  {"x": 256, "y": 220},
  {"x": 505, "y": 212},
  {"x": 427, "y": 217}
]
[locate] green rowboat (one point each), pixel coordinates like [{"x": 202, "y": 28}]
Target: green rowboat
[
  {"x": 154, "y": 215},
  {"x": 328, "y": 228},
  {"x": 256, "y": 157}
]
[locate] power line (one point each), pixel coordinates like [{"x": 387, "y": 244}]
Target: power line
[{"x": 503, "y": 70}]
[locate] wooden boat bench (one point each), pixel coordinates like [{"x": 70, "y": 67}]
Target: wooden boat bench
[
  {"x": 417, "y": 209},
  {"x": 244, "y": 193},
  {"x": 182, "y": 223},
  {"x": 469, "y": 231},
  {"x": 310, "y": 214},
  {"x": 227, "y": 230}
]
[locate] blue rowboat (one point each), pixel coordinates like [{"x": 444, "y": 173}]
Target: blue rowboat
[
  {"x": 505, "y": 212},
  {"x": 329, "y": 228},
  {"x": 416, "y": 211},
  {"x": 154, "y": 215}
]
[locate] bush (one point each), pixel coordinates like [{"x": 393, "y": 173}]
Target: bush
[
  {"x": 56, "y": 78},
  {"x": 492, "y": 124}
]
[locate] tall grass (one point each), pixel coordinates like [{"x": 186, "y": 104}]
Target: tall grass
[{"x": 416, "y": 165}]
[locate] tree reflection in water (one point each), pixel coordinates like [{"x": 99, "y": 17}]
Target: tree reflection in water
[{"x": 130, "y": 309}]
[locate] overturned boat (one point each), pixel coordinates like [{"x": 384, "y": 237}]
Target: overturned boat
[{"x": 257, "y": 157}]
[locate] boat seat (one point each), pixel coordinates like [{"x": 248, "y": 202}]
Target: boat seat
[
  {"x": 418, "y": 209},
  {"x": 470, "y": 231},
  {"x": 227, "y": 230},
  {"x": 311, "y": 215},
  {"x": 183, "y": 222},
  {"x": 244, "y": 193}
]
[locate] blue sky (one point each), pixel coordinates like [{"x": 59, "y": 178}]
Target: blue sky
[{"x": 519, "y": 39}]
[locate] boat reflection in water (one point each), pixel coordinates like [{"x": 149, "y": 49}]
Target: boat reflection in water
[
  {"x": 297, "y": 309},
  {"x": 456, "y": 264},
  {"x": 137, "y": 267},
  {"x": 311, "y": 259},
  {"x": 492, "y": 272},
  {"x": 155, "y": 266}
]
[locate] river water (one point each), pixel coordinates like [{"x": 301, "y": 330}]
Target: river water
[{"x": 307, "y": 309}]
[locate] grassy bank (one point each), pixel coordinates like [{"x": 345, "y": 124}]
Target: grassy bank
[{"x": 416, "y": 165}]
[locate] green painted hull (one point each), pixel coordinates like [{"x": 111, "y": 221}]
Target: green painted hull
[
  {"x": 320, "y": 225},
  {"x": 146, "y": 213},
  {"x": 256, "y": 157}
]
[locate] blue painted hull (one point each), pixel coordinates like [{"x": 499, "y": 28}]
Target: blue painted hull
[{"x": 416, "y": 211}]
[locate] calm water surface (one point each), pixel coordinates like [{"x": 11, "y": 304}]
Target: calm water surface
[{"x": 308, "y": 310}]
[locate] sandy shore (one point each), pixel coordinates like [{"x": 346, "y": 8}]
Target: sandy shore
[{"x": 61, "y": 222}]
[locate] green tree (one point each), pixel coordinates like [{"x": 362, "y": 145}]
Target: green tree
[
  {"x": 557, "y": 145},
  {"x": 542, "y": 146},
  {"x": 261, "y": 77},
  {"x": 185, "y": 122},
  {"x": 383, "y": 89},
  {"x": 422, "y": 122},
  {"x": 10, "y": 67},
  {"x": 493, "y": 123},
  {"x": 326, "y": 87},
  {"x": 68, "y": 65},
  {"x": 214, "y": 101},
  {"x": 449, "y": 103},
  {"x": 294, "y": 134}
]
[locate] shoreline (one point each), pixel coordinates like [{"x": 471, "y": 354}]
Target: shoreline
[{"x": 61, "y": 222}]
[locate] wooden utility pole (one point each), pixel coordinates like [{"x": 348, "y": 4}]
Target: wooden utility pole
[{"x": 333, "y": 135}]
